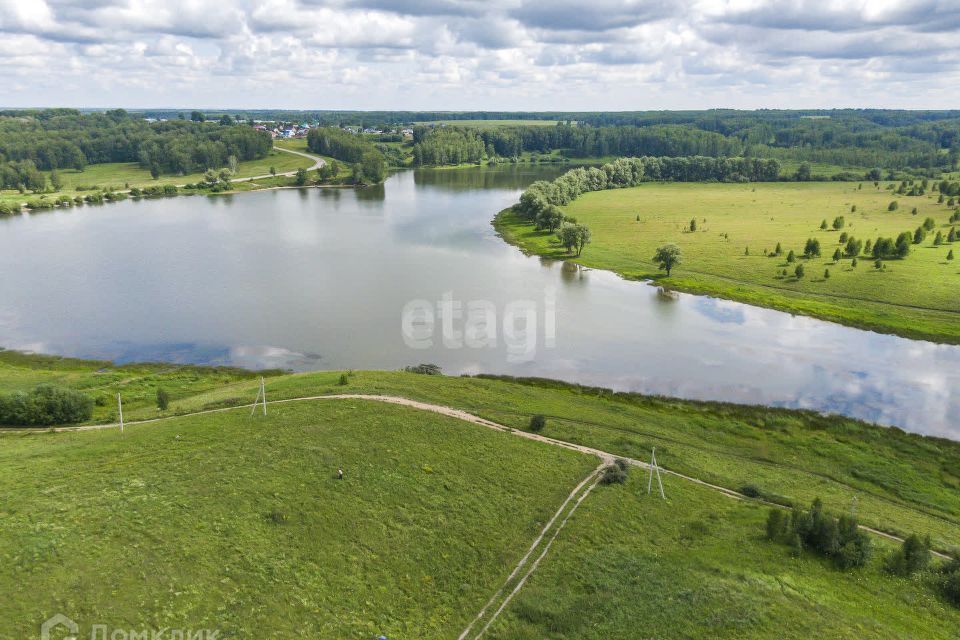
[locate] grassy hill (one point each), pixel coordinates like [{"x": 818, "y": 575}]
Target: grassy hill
[
  {"x": 238, "y": 523},
  {"x": 738, "y": 228}
]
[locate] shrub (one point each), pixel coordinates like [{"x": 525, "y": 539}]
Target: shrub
[
  {"x": 750, "y": 491},
  {"x": 912, "y": 556},
  {"x": 893, "y": 206},
  {"x": 778, "y": 524},
  {"x": 840, "y": 540},
  {"x": 615, "y": 473},
  {"x": 537, "y": 423},
  {"x": 344, "y": 380},
  {"x": 163, "y": 399},
  {"x": 45, "y": 405},
  {"x": 950, "y": 582},
  {"x": 425, "y": 369}
]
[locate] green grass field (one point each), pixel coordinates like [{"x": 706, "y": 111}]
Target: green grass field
[
  {"x": 239, "y": 524},
  {"x": 118, "y": 175},
  {"x": 914, "y": 297},
  {"x": 698, "y": 566}
]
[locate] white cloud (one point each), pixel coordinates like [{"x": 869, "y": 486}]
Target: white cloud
[{"x": 480, "y": 54}]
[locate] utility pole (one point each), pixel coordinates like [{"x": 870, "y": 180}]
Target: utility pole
[
  {"x": 261, "y": 393},
  {"x": 655, "y": 468},
  {"x": 120, "y": 409}
]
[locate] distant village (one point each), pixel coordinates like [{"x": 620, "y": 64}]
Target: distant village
[{"x": 286, "y": 130}]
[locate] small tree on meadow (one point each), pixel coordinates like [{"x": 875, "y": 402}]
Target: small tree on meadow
[
  {"x": 693, "y": 224},
  {"x": 799, "y": 271},
  {"x": 668, "y": 256},
  {"x": 537, "y": 423},
  {"x": 893, "y": 206},
  {"x": 912, "y": 556},
  {"x": 163, "y": 399},
  {"x": 837, "y": 255}
]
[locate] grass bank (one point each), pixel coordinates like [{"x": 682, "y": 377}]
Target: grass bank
[
  {"x": 235, "y": 522},
  {"x": 730, "y": 255}
]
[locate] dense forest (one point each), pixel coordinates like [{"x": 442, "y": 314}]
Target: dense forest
[
  {"x": 368, "y": 162},
  {"x": 892, "y": 139},
  {"x": 63, "y": 138},
  {"x": 808, "y": 141}
]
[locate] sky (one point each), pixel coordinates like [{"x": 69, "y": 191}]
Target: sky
[{"x": 557, "y": 55}]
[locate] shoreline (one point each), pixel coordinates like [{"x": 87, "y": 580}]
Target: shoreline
[{"x": 820, "y": 307}]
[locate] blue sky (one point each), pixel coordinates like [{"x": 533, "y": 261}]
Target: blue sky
[{"x": 480, "y": 54}]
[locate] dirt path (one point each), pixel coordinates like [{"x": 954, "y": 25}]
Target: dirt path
[
  {"x": 318, "y": 162},
  {"x": 590, "y": 482},
  {"x": 604, "y": 456}
]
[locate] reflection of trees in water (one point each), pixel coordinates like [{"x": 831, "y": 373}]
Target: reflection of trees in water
[
  {"x": 572, "y": 273},
  {"x": 372, "y": 193},
  {"x": 507, "y": 176}
]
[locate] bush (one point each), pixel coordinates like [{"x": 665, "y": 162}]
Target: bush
[
  {"x": 750, "y": 491},
  {"x": 537, "y": 423},
  {"x": 778, "y": 525},
  {"x": 344, "y": 380},
  {"x": 163, "y": 399},
  {"x": 615, "y": 473},
  {"x": 912, "y": 556},
  {"x": 424, "y": 369},
  {"x": 950, "y": 583},
  {"x": 840, "y": 540},
  {"x": 45, "y": 405}
]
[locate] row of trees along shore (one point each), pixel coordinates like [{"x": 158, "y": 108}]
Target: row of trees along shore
[
  {"x": 630, "y": 172},
  {"x": 65, "y": 139},
  {"x": 369, "y": 165}
]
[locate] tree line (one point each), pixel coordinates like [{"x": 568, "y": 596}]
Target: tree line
[
  {"x": 447, "y": 146},
  {"x": 369, "y": 164},
  {"x": 630, "y": 172},
  {"x": 65, "y": 139}
]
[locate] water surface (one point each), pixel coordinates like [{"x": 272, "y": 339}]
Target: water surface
[{"x": 317, "y": 279}]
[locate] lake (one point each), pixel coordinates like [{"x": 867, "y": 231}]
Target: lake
[{"x": 412, "y": 272}]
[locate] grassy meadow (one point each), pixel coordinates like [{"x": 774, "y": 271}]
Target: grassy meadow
[
  {"x": 698, "y": 566},
  {"x": 236, "y": 523},
  {"x": 434, "y": 512},
  {"x": 738, "y": 228},
  {"x": 121, "y": 175}
]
